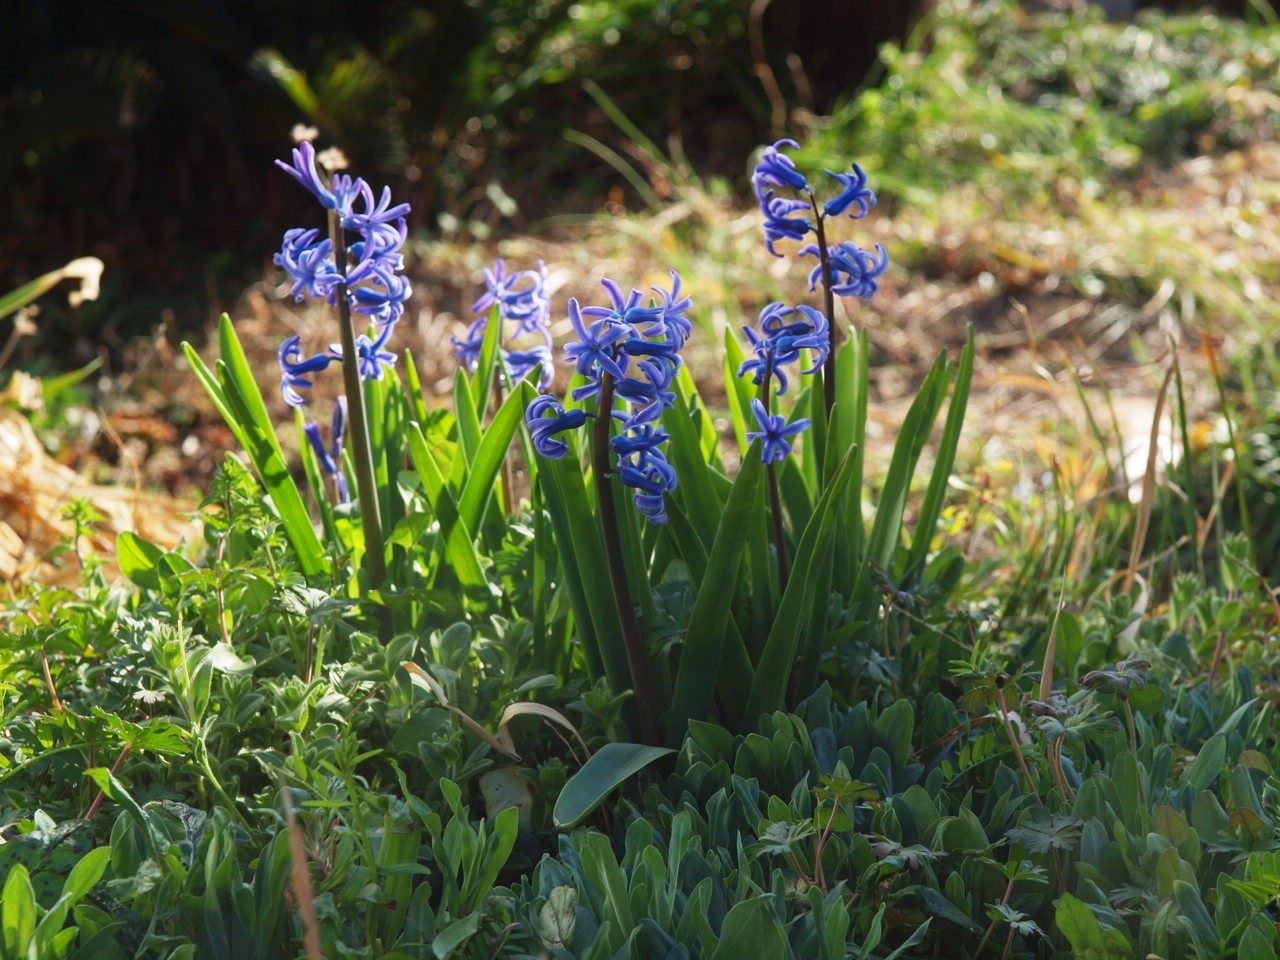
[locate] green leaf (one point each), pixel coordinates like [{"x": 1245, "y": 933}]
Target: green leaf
[
  {"x": 17, "y": 913},
  {"x": 418, "y": 404},
  {"x": 738, "y": 391},
  {"x": 1208, "y": 765},
  {"x": 751, "y": 931},
  {"x": 606, "y": 769},
  {"x": 700, "y": 657},
  {"x": 468, "y": 423},
  {"x": 608, "y": 880},
  {"x": 1204, "y": 930},
  {"x": 490, "y": 358},
  {"x": 583, "y": 567},
  {"x": 455, "y": 543},
  {"x": 1088, "y": 939},
  {"x": 774, "y": 668},
  {"x": 915, "y": 431},
  {"x": 238, "y": 399},
  {"x": 139, "y": 560},
  {"x": 84, "y": 876},
  {"x": 696, "y": 491},
  {"x": 153, "y": 835},
  {"x": 487, "y": 463},
  {"x": 1256, "y": 945},
  {"x": 931, "y": 508},
  {"x": 455, "y": 935},
  {"x": 936, "y": 903}
]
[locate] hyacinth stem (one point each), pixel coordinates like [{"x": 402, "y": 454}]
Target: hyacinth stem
[
  {"x": 829, "y": 307},
  {"x": 775, "y": 499},
  {"x": 632, "y": 639},
  {"x": 361, "y": 451}
]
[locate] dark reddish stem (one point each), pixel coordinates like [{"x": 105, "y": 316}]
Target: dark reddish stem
[
  {"x": 632, "y": 639},
  {"x": 775, "y": 499},
  {"x": 115, "y": 769},
  {"x": 829, "y": 306}
]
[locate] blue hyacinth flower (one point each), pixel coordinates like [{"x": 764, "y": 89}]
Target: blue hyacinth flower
[
  {"x": 774, "y": 432},
  {"x": 854, "y": 271}
]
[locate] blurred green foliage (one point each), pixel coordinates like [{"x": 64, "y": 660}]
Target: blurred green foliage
[{"x": 990, "y": 95}]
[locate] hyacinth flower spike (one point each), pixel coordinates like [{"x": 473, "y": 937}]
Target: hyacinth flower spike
[
  {"x": 845, "y": 270},
  {"x": 361, "y": 278},
  {"x": 520, "y": 298}
]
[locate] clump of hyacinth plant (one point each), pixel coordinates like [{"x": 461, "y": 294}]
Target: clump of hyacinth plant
[
  {"x": 628, "y": 354},
  {"x": 356, "y": 266}
]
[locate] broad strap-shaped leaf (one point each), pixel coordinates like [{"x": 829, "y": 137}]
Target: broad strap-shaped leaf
[
  {"x": 240, "y": 402},
  {"x": 778, "y": 659},
  {"x": 931, "y": 508},
  {"x": 696, "y": 491},
  {"x": 585, "y": 571},
  {"x": 468, "y": 422},
  {"x": 490, "y": 359},
  {"x": 701, "y": 653},
  {"x": 912, "y": 438},
  {"x": 455, "y": 543},
  {"x": 612, "y": 765},
  {"x": 488, "y": 459},
  {"x": 851, "y": 432},
  {"x": 738, "y": 392}
]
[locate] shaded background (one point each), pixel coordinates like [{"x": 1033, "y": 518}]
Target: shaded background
[{"x": 143, "y": 131}]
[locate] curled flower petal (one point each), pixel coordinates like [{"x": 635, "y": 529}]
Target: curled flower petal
[
  {"x": 294, "y": 372},
  {"x": 651, "y": 476},
  {"x": 778, "y": 170},
  {"x": 854, "y": 193},
  {"x": 780, "y": 222},
  {"x": 546, "y": 417},
  {"x": 778, "y": 343}
]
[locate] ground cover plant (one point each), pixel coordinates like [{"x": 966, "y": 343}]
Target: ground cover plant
[{"x": 565, "y": 669}]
